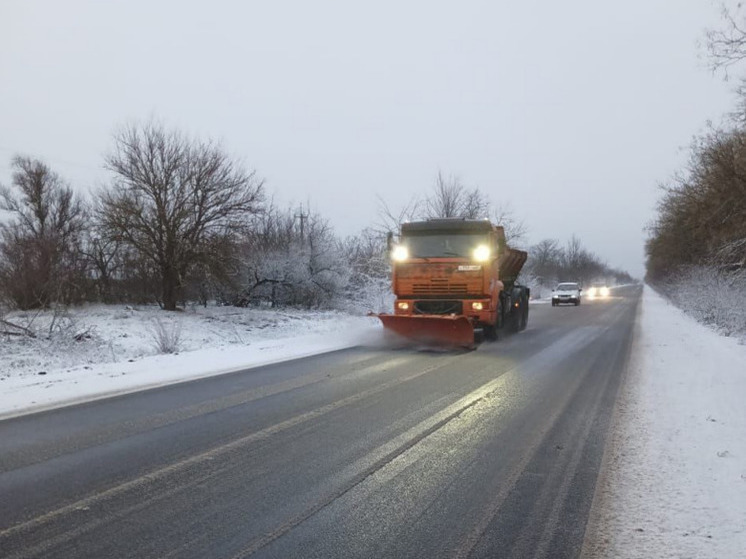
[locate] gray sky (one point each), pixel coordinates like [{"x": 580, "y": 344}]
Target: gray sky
[{"x": 570, "y": 111}]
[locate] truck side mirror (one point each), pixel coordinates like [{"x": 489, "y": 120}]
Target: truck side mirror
[{"x": 389, "y": 241}]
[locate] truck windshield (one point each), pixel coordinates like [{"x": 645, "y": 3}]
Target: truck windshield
[{"x": 439, "y": 245}]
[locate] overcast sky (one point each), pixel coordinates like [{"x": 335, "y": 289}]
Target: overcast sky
[{"x": 572, "y": 112}]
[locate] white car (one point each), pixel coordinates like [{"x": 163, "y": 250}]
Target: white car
[{"x": 566, "y": 293}]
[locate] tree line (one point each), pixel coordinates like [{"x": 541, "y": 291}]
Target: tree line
[
  {"x": 701, "y": 216},
  {"x": 181, "y": 221},
  {"x": 550, "y": 262}
]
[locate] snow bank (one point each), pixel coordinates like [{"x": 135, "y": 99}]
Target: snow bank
[
  {"x": 116, "y": 349},
  {"x": 674, "y": 482},
  {"x": 713, "y": 297}
]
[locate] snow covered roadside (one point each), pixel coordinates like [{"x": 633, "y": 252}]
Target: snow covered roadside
[
  {"x": 674, "y": 481},
  {"x": 118, "y": 354}
]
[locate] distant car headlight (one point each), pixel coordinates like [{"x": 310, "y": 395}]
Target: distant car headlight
[
  {"x": 604, "y": 292},
  {"x": 591, "y": 292},
  {"x": 400, "y": 253},
  {"x": 482, "y": 253}
]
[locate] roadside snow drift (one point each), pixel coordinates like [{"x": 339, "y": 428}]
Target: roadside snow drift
[
  {"x": 100, "y": 350},
  {"x": 675, "y": 465}
]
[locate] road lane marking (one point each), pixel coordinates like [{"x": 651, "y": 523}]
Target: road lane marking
[
  {"x": 558, "y": 349},
  {"x": 406, "y": 441},
  {"x": 213, "y": 453}
]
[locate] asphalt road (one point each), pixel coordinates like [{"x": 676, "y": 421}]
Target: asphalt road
[{"x": 367, "y": 452}]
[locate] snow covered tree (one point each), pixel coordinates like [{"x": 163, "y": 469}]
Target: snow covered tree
[
  {"x": 369, "y": 284},
  {"x": 285, "y": 261}
]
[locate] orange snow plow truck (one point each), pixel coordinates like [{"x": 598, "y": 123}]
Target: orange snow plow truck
[{"x": 452, "y": 278}]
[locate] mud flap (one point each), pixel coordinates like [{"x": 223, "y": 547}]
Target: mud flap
[{"x": 453, "y": 331}]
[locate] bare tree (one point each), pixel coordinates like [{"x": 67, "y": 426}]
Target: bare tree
[
  {"x": 171, "y": 195},
  {"x": 389, "y": 221},
  {"x": 446, "y": 199},
  {"x": 515, "y": 229},
  {"x": 450, "y": 198},
  {"x": 545, "y": 259},
  {"x": 105, "y": 260},
  {"x": 40, "y": 248},
  {"x": 727, "y": 46}
]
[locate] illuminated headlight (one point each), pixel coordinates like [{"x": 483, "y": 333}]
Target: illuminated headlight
[
  {"x": 592, "y": 292},
  {"x": 604, "y": 292},
  {"x": 400, "y": 253},
  {"x": 476, "y": 306},
  {"x": 482, "y": 253},
  {"x": 402, "y": 305}
]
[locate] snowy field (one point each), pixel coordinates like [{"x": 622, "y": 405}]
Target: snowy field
[
  {"x": 675, "y": 465},
  {"x": 99, "y": 351}
]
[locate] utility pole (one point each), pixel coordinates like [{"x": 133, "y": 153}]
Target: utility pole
[{"x": 302, "y": 218}]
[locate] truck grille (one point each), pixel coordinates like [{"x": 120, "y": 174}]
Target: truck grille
[
  {"x": 438, "y": 307},
  {"x": 439, "y": 286}
]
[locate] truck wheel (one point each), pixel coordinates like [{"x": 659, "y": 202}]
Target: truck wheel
[
  {"x": 490, "y": 333},
  {"x": 515, "y": 320},
  {"x": 524, "y": 315},
  {"x": 499, "y": 326}
]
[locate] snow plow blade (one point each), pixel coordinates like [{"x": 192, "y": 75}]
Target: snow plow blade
[{"x": 453, "y": 331}]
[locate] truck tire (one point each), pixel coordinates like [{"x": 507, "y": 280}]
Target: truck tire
[
  {"x": 490, "y": 333},
  {"x": 515, "y": 319},
  {"x": 499, "y": 327},
  {"x": 524, "y": 314}
]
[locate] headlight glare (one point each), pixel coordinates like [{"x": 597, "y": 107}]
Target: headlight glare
[
  {"x": 482, "y": 253},
  {"x": 400, "y": 253}
]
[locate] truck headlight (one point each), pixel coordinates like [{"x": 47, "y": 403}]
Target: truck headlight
[
  {"x": 482, "y": 253},
  {"x": 400, "y": 253}
]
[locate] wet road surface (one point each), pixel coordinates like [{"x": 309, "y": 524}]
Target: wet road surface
[{"x": 367, "y": 452}]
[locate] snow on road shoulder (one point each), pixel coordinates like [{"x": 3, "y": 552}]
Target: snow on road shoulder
[
  {"x": 674, "y": 481},
  {"x": 120, "y": 357}
]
